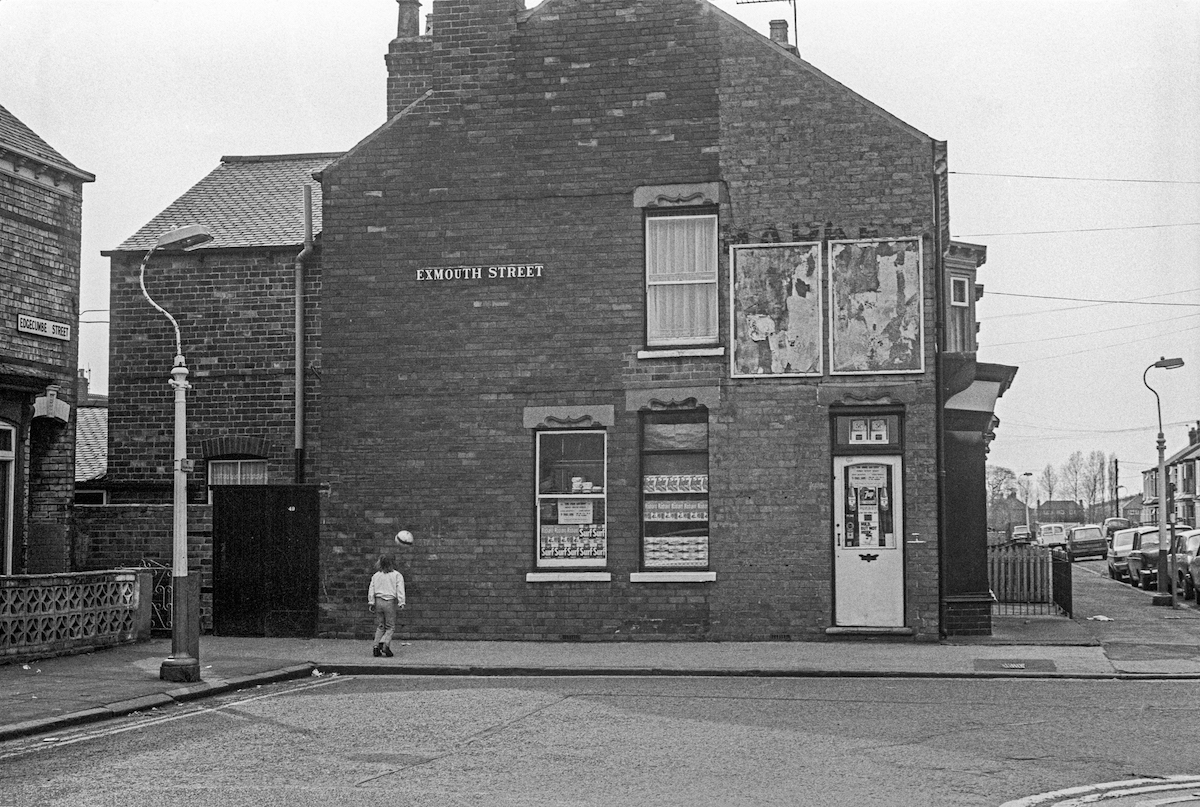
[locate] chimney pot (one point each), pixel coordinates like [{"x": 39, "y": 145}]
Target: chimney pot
[
  {"x": 779, "y": 31},
  {"x": 409, "y": 25}
]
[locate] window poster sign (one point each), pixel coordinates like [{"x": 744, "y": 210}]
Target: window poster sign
[
  {"x": 875, "y": 306},
  {"x": 575, "y": 512},
  {"x": 776, "y": 309},
  {"x": 869, "y": 507}
]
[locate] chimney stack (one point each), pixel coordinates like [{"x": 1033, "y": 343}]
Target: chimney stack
[
  {"x": 779, "y": 31},
  {"x": 1194, "y": 434},
  {"x": 409, "y": 26},
  {"x": 82, "y": 388}
]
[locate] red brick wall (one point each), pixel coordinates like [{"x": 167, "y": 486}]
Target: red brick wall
[
  {"x": 236, "y": 313},
  {"x": 425, "y": 383},
  {"x": 117, "y": 536},
  {"x": 39, "y": 276},
  {"x": 808, "y": 159}
]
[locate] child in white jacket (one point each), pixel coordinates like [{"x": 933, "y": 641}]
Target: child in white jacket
[{"x": 384, "y": 597}]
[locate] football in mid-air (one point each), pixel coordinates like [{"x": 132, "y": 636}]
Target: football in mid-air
[{"x": 404, "y": 537}]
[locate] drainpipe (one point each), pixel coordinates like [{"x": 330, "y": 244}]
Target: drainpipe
[
  {"x": 300, "y": 361},
  {"x": 938, "y": 189}
]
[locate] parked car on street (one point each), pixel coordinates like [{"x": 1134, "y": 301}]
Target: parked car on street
[
  {"x": 1142, "y": 560},
  {"x": 1085, "y": 540},
  {"x": 1120, "y": 547},
  {"x": 1187, "y": 562},
  {"x": 1113, "y": 524},
  {"x": 1143, "y": 557},
  {"x": 1021, "y": 535},
  {"x": 1053, "y": 535}
]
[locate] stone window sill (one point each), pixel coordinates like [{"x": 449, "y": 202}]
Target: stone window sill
[
  {"x": 568, "y": 577},
  {"x": 680, "y": 353},
  {"x": 672, "y": 577}
]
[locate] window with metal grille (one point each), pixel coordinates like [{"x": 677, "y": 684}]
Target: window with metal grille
[{"x": 675, "y": 515}]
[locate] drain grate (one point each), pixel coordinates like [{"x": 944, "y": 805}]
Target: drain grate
[{"x": 1015, "y": 665}]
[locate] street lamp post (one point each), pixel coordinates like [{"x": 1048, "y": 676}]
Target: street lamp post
[
  {"x": 1166, "y": 579},
  {"x": 184, "y": 663},
  {"x": 1025, "y": 485}
]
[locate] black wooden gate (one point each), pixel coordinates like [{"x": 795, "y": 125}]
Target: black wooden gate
[
  {"x": 265, "y": 560},
  {"x": 1061, "y": 573}
]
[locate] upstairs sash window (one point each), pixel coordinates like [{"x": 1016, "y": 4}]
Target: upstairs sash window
[{"x": 681, "y": 280}]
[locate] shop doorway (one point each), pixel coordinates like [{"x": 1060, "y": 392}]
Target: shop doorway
[
  {"x": 868, "y": 555},
  {"x": 265, "y": 560}
]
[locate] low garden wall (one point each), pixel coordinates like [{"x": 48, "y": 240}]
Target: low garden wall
[{"x": 44, "y": 615}]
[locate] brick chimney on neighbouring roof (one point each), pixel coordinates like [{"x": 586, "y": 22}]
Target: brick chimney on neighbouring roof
[
  {"x": 82, "y": 387},
  {"x": 779, "y": 35},
  {"x": 409, "y": 25},
  {"x": 1194, "y": 434},
  {"x": 466, "y": 45}
]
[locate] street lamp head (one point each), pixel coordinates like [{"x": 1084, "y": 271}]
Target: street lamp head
[
  {"x": 184, "y": 238},
  {"x": 1168, "y": 364}
]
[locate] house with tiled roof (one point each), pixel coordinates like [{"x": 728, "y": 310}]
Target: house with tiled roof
[
  {"x": 91, "y": 444},
  {"x": 41, "y": 209},
  {"x": 643, "y": 324},
  {"x": 1183, "y": 468},
  {"x": 250, "y": 202},
  {"x": 238, "y": 300}
]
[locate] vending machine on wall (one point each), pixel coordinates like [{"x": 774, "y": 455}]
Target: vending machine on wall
[{"x": 868, "y": 520}]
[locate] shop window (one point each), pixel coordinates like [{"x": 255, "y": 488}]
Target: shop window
[
  {"x": 572, "y": 497},
  {"x": 681, "y": 280},
  {"x": 675, "y": 516}
]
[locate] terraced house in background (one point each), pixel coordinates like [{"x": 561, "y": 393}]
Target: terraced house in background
[
  {"x": 41, "y": 208},
  {"x": 643, "y": 325}
]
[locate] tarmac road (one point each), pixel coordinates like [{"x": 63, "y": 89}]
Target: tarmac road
[{"x": 433, "y": 741}]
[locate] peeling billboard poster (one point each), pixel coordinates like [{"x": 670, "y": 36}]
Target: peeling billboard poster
[
  {"x": 776, "y": 310},
  {"x": 875, "y": 301}
]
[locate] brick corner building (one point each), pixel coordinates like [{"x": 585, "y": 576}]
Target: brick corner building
[
  {"x": 644, "y": 326},
  {"x": 41, "y": 210}
]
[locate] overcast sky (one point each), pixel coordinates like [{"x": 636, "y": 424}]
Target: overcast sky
[{"x": 1087, "y": 282}]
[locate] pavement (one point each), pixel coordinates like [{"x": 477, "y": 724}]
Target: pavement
[{"x": 1143, "y": 642}]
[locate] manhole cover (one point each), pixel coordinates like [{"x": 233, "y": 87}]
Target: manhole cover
[{"x": 1015, "y": 665}]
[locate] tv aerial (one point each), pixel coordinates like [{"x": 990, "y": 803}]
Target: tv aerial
[{"x": 795, "y": 20}]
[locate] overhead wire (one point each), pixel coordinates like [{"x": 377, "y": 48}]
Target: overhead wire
[
  {"x": 1134, "y": 301},
  {"x": 1127, "y": 180},
  {"x": 1090, "y": 333},
  {"x": 1080, "y": 179},
  {"x": 1082, "y": 230},
  {"x": 1109, "y": 347}
]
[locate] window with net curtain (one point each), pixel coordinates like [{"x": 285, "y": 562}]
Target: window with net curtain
[
  {"x": 681, "y": 280},
  {"x": 237, "y": 472}
]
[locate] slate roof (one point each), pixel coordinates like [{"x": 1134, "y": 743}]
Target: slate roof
[
  {"x": 17, "y": 136},
  {"x": 91, "y": 443},
  {"x": 1190, "y": 453},
  {"x": 246, "y": 202}
]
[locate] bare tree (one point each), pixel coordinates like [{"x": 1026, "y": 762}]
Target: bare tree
[
  {"x": 1095, "y": 482},
  {"x": 1000, "y": 482},
  {"x": 1048, "y": 481},
  {"x": 1071, "y": 476}
]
